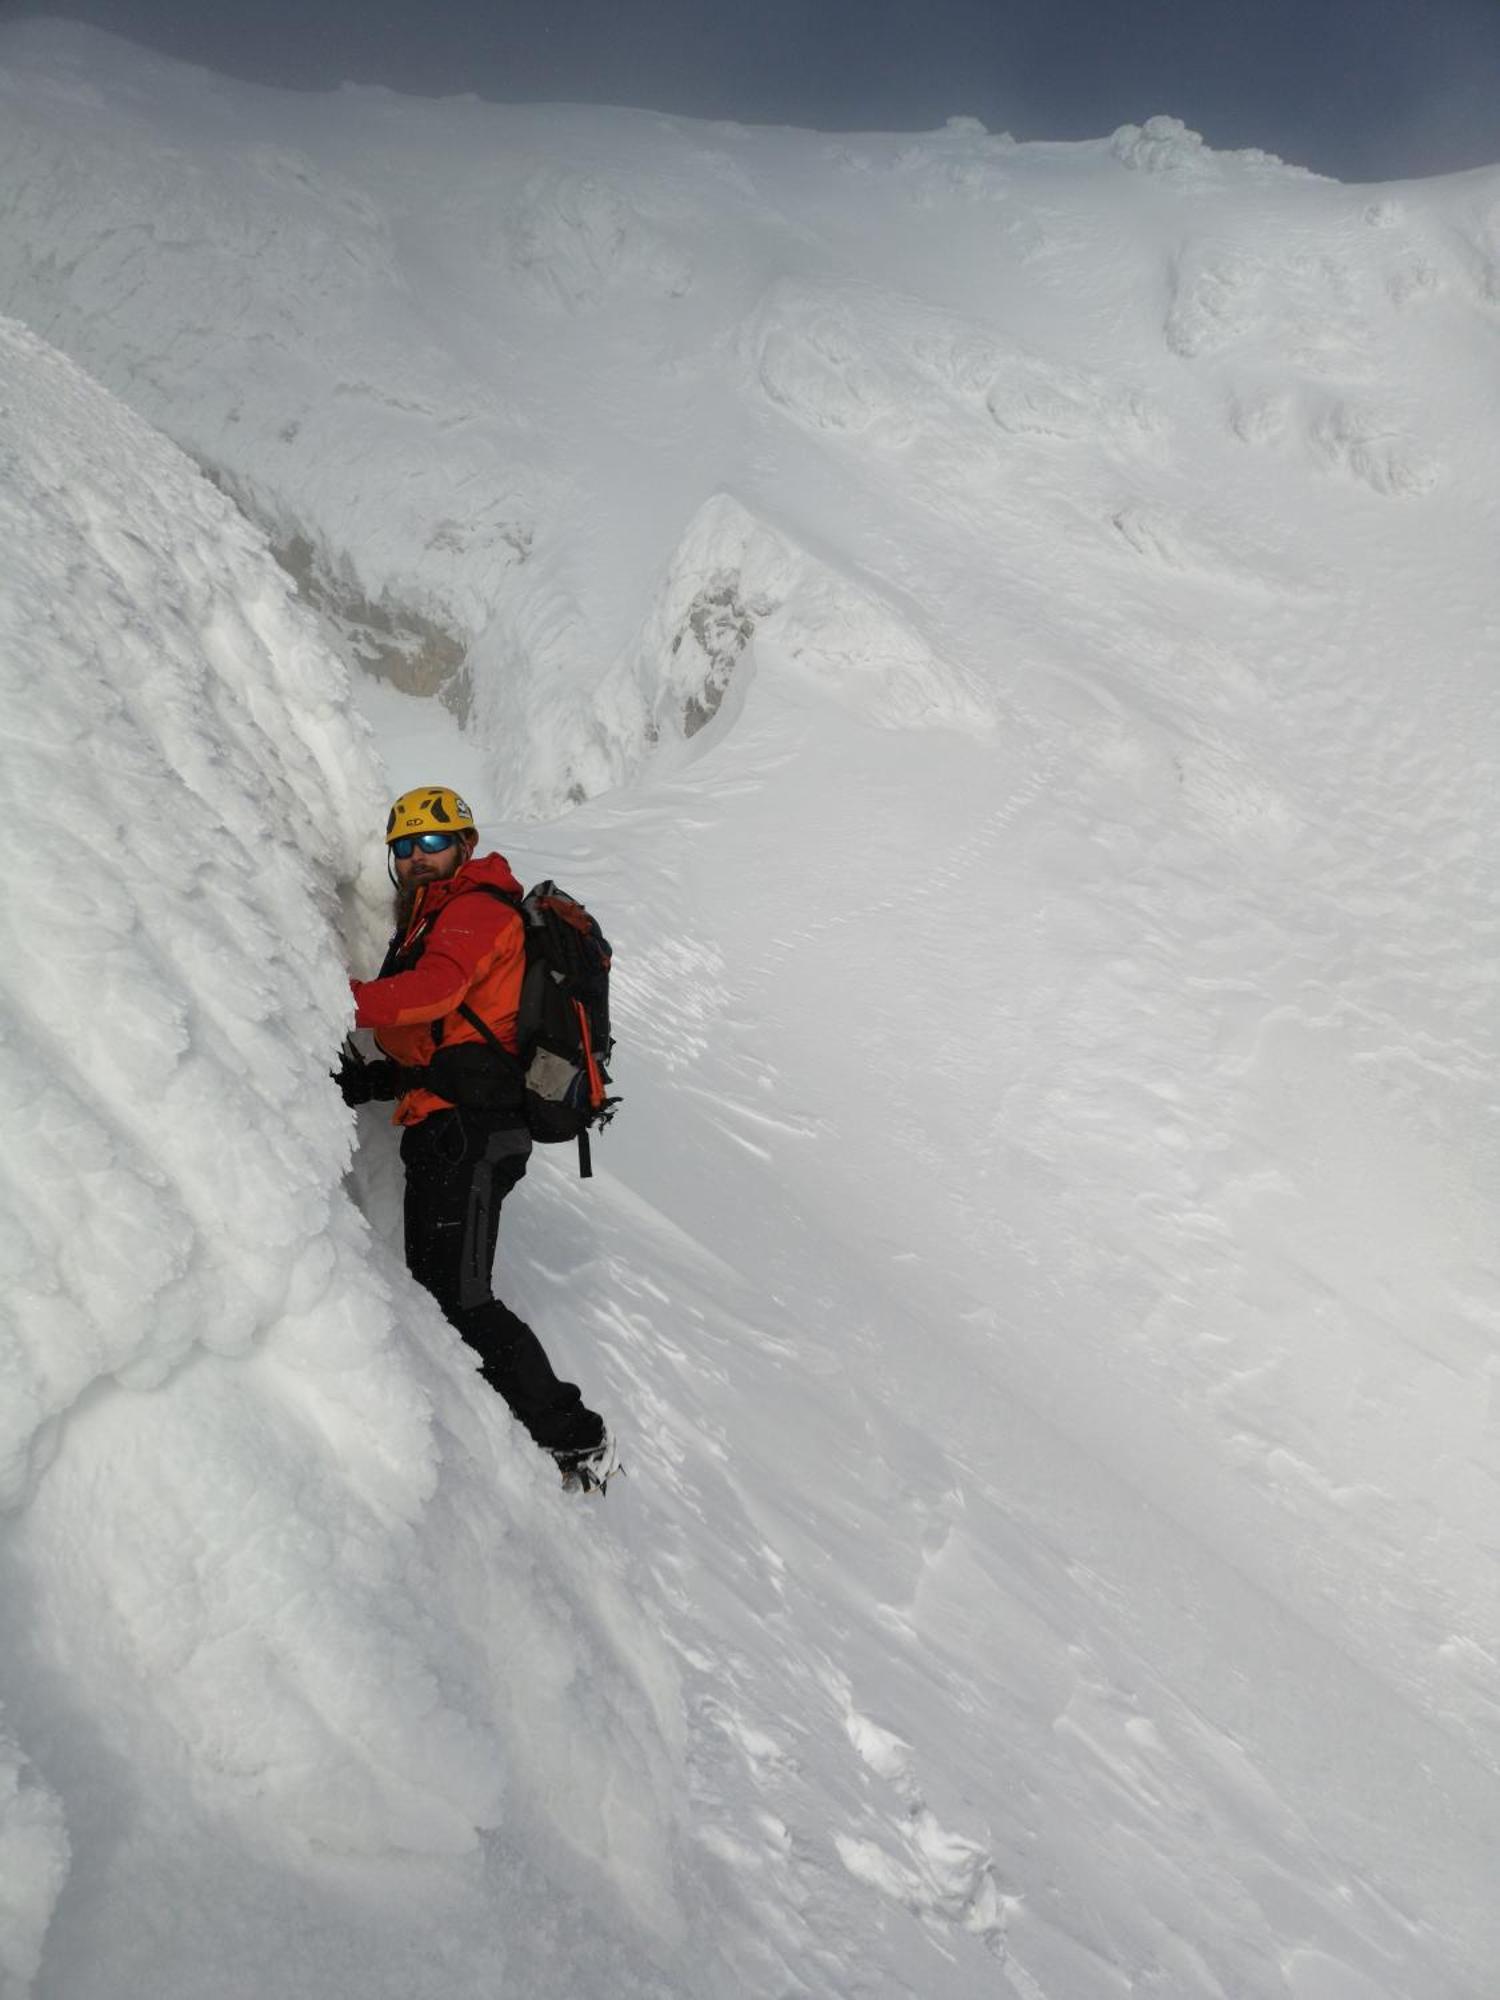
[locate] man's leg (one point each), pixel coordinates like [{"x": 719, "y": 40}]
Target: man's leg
[{"x": 459, "y": 1168}]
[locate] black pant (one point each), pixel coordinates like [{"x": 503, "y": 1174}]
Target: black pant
[{"x": 460, "y": 1166}]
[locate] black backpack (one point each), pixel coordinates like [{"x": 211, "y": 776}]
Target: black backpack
[{"x": 562, "y": 1028}]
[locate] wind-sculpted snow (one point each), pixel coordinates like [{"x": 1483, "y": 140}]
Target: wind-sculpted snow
[
  {"x": 1167, "y": 146},
  {"x": 575, "y": 240},
  {"x": 896, "y": 372},
  {"x": 183, "y": 799},
  {"x": 33, "y": 1865},
  {"x": 734, "y": 579}
]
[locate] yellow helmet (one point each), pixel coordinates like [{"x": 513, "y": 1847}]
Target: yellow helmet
[{"x": 429, "y": 809}]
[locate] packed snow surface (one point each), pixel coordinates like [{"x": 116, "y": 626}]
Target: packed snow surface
[{"x": 1004, "y": 638}]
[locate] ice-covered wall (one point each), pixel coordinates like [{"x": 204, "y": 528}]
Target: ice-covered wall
[{"x": 271, "y": 1556}]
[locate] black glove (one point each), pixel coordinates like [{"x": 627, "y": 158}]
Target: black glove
[{"x": 362, "y": 1082}]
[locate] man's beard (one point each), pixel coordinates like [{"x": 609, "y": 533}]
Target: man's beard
[{"x": 405, "y": 902}]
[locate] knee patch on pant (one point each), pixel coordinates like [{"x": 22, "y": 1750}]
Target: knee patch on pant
[{"x": 502, "y": 1165}]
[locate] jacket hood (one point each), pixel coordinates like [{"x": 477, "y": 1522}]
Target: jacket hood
[{"x": 492, "y": 869}]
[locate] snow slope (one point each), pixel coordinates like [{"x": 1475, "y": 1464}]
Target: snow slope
[{"x": 1021, "y": 623}]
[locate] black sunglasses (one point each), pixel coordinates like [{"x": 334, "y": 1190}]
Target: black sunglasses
[{"x": 430, "y": 843}]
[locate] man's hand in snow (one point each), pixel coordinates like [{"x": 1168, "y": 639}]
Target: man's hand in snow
[{"x": 362, "y": 1082}]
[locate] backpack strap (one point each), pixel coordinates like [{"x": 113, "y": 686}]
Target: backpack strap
[{"x": 484, "y": 1028}]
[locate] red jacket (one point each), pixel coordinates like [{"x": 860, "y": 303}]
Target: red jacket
[{"x": 462, "y": 947}]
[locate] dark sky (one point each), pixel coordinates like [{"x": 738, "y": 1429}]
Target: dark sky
[{"x": 1364, "y": 89}]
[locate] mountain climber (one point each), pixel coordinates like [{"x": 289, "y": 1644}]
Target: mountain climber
[{"x": 459, "y": 942}]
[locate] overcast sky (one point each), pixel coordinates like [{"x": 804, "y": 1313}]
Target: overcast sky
[{"x": 1364, "y": 89}]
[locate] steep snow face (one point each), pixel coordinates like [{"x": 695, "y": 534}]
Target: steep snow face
[
  {"x": 228, "y": 1666},
  {"x": 1036, "y": 609}
]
